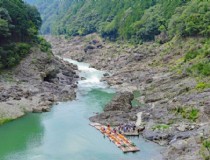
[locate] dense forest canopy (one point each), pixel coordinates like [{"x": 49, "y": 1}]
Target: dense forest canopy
[
  {"x": 19, "y": 25},
  {"x": 136, "y": 20}
]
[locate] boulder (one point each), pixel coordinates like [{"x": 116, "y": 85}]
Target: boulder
[
  {"x": 207, "y": 110},
  {"x": 179, "y": 145},
  {"x": 67, "y": 73},
  {"x": 80, "y": 59},
  {"x": 37, "y": 110},
  {"x": 41, "y": 109},
  {"x": 106, "y": 74},
  {"x": 113, "y": 118},
  {"x": 182, "y": 127},
  {"x": 50, "y": 73},
  {"x": 89, "y": 47},
  {"x": 183, "y": 150},
  {"x": 74, "y": 85},
  {"x": 119, "y": 82},
  {"x": 17, "y": 98},
  {"x": 99, "y": 46},
  {"x": 45, "y": 102},
  {"x": 95, "y": 41},
  {"x": 76, "y": 76},
  {"x": 149, "y": 80},
  {"x": 46, "y": 109},
  {"x": 83, "y": 78},
  {"x": 138, "y": 57},
  {"x": 156, "y": 135},
  {"x": 153, "y": 98},
  {"x": 121, "y": 102}
]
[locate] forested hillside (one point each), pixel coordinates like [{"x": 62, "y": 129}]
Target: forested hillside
[
  {"x": 52, "y": 12},
  {"x": 19, "y": 25},
  {"x": 134, "y": 20}
]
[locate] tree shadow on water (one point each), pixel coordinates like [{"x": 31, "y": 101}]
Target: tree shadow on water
[{"x": 18, "y": 135}]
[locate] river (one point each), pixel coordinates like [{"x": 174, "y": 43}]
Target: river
[{"x": 65, "y": 134}]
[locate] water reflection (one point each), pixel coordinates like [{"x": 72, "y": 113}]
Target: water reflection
[{"x": 18, "y": 135}]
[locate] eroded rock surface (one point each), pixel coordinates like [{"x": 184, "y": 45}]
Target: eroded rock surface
[
  {"x": 118, "y": 111},
  {"x": 40, "y": 80}
]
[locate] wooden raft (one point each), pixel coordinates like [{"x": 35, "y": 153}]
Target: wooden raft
[{"x": 118, "y": 139}]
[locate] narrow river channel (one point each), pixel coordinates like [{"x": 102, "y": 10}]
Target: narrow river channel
[{"x": 65, "y": 134}]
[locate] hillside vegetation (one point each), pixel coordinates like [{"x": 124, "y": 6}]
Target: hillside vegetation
[
  {"x": 19, "y": 25},
  {"x": 135, "y": 20}
]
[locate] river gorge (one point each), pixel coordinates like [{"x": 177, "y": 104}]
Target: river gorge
[{"x": 64, "y": 133}]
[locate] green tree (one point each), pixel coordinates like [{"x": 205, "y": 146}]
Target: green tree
[
  {"x": 19, "y": 25},
  {"x": 4, "y": 28},
  {"x": 191, "y": 20}
]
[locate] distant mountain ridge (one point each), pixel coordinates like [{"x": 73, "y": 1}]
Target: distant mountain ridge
[{"x": 135, "y": 20}]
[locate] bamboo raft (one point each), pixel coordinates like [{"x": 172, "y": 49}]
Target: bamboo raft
[{"x": 118, "y": 139}]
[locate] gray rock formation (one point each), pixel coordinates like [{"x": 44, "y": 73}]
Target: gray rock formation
[
  {"x": 121, "y": 102},
  {"x": 119, "y": 110},
  {"x": 36, "y": 83}
]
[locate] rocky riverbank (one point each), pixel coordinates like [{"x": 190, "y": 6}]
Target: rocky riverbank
[
  {"x": 175, "y": 111},
  {"x": 39, "y": 81}
]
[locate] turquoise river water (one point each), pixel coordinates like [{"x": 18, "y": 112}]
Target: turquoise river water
[{"x": 65, "y": 134}]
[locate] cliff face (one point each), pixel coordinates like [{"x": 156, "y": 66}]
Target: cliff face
[
  {"x": 175, "y": 110},
  {"x": 40, "y": 80}
]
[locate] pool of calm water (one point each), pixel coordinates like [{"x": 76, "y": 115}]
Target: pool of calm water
[{"x": 65, "y": 134}]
